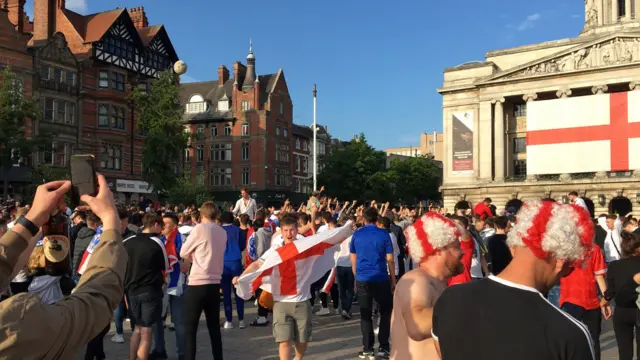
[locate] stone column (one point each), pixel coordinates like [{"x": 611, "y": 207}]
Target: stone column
[
  {"x": 484, "y": 139},
  {"x": 599, "y": 89},
  {"x": 627, "y": 9},
  {"x": 636, "y": 9},
  {"x": 563, "y": 93},
  {"x": 529, "y": 98},
  {"x": 498, "y": 134},
  {"x": 614, "y": 11},
  {"x": 600, "y": 10}
]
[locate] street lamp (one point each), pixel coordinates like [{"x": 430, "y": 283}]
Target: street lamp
[{"x": 315, "y": 146}]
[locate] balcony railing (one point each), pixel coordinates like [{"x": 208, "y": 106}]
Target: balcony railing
[{"x": 58, "y": 86}]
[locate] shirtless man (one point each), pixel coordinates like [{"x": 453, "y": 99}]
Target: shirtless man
[{"x": 433, "y": 243}]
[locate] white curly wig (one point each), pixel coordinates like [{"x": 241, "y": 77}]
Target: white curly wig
[
  {"x": 549, "y": 228},
  {"x": 429, "y": 234}
]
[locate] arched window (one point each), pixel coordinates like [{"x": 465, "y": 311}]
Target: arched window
[{"x": 197, "y": 105}]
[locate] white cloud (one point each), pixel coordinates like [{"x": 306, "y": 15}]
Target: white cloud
[
  {"x": 79, "y": 6},
  {"x": 528, "y": 22}
]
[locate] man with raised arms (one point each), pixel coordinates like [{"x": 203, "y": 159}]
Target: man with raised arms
[{"x": 433, "y": 244}]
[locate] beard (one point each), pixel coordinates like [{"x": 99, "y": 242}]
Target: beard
[{"x": 455, "y": 266}]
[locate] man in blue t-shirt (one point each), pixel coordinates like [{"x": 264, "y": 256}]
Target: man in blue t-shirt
[{"x": 371, "y": 259}]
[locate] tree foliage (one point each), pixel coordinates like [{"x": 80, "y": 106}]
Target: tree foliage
[
  {"x": 185, "y": 191},
  {"x": 16, "y": 113},
  {"x": 160, "y": 118},
  {"x": 358, "y": 171}
]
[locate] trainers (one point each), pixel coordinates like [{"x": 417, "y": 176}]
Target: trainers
[
  {"x": 242, "y": 325},
  {"x": 323, "y": 312},
  {"x": 118, "y": 338},
  {"x": 346, "y": 315},
  {"x": 259, "y": 321},
  {"x": 369, "y": 355},
  {"x": 228, "y": 325},
  {"x": 336, "y": 311},
  {"x": 383, "y": 353}
]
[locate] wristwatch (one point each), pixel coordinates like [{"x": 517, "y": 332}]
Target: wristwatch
[{"x": 33, "y": 229}]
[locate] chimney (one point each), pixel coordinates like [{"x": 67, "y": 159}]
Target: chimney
[
  {"x": 223, "y": 75},
  {"x": 16, "y": 13},
  {"x": 239, "y": 72},
  {"x": 44, "y": 18},
  {"x": 139, "y": 17}
]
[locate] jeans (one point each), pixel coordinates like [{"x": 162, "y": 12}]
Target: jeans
[
  {"x": 381, "y": 293},
  {"x": 118, "y": 317},
  {"x": 95, "y": 347},
  {"x": 231, "y": 269},
  {"x": 625, "y": 321},
  {"x": 176, "y": 306},
  {"x": 345, "y": 287},
  {"x": 199, "y": 298},
  {"x": 324, "y": 299},
  {"x": 590, "y": 318}
]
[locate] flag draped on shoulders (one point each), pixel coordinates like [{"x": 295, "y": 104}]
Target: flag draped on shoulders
[
  {"x": 90, "y": 248},
  {"x": 173, "y": 244},
  {"x": 288, "y": 268}
]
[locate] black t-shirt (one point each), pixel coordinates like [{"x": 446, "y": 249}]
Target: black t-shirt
[
  {"x": 145, "y": 266},
  {"x": 497, "y": 319},
  {"x": 499, "y": 253},
  {"x": 620, "y": 284}
]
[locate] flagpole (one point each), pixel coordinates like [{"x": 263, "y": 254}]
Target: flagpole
[{"x": 315, "y": 147}]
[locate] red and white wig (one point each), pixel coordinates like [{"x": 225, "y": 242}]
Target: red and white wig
[
  {"x": 429, "y": 234},
  {"x": 549, "y": 228}
]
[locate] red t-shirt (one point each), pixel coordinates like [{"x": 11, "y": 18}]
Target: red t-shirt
[
  {"x": 308, "y": 233},
  {"x": 465, "y": 277},
  {"x": 580, "y": 287},
  {"x": 483, "y": 210}
]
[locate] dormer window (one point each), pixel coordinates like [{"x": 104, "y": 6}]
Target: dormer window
[
  {"x": 223, "y": 105},
  {"x": 197, "y": 105}
]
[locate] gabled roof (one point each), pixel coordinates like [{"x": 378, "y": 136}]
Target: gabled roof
[
  {"x": 302, "y": 131},
  {"x": 93, "y": 27},
  {"x": 147, "y": 34}
]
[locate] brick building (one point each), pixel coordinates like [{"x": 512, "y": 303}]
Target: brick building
[
  {"x": 244, "y": 133},
  {"x": 85, "y": 67}
]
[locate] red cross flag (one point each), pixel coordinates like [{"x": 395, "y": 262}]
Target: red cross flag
[
  {"x": 584, "y": 134},
  {"x": 291, "y": 269}
]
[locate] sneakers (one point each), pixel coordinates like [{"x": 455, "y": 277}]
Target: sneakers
[
  {"x": 383, "y": 353},
  {"x": 228, "y": 325},
  {"x": 368, "y": 355},
  {"x": 242, "y": 325},
  {"x": 323, "y": 312},
  {"x": 118, "y": 339},
  {"x": 345, "y": 315},
  {"x": 259, "y": 321},
  {"x": 336, "y": 311}
]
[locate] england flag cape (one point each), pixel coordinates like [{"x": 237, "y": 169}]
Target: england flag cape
[
  {"x": 293, "y": 266},
  {"x": 87, "y": 253}
]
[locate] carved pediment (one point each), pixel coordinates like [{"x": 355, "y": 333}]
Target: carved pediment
[
  {"x": 613, "y": 50},
  {"x": 57, "y": 50}
]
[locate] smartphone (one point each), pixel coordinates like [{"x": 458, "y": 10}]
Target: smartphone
[{"x": 83, "y": 178}]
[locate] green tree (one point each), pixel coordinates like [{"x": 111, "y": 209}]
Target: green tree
[
  {"x": 185, "y": 191},
  {"x": 415, "y": 179},
  {"x": 347, "y": 172},
  {"x": 15, "y": 115},
  {"x": 160, "y": 118}
]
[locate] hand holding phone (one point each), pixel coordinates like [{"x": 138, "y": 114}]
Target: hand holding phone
[{"x": 83, "y": 178}]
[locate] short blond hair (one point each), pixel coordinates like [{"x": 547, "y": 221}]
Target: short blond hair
[{"x": 209, "y": 210}]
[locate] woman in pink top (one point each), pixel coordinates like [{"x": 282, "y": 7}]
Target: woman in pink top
[{"x": 204, "y": 248}]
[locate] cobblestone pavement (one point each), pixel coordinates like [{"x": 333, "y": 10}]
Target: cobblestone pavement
[{"x": 333, "y": 339}]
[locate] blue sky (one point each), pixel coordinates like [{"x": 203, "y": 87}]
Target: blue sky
[{"x": 377, "y": 63}]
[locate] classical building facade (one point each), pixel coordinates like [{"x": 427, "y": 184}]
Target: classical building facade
[
  {"x": 83, "y": 69},
  {"x": 540, "y": 120},
  {"x": 243, "y": 126},
  {"x": 430, "y": 145}
]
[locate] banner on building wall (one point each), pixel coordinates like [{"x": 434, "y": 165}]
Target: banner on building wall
[{"x": 462, "y": 142}]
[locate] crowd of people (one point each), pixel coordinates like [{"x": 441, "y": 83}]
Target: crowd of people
[{"x": 531, "y": 283}]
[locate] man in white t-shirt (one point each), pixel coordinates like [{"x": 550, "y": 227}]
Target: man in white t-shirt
[{"x": 575, "y": 199}]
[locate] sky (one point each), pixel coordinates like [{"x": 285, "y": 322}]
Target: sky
[{"x": 377, "y": 63}]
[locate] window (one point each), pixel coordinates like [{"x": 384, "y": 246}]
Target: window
[
  {"x": 49, "y": 105},
  {"x": 197, "y": 105},
  {"x": 297, "y": 163},
  {"x": 117, "y": 117},
  {"x": 49, "y": 155},
  {"x": 305, "y": 167},
  {"x": 66, "y": 154},
  {"x": 245, "y": 129},
  {"x": 298, "y": 144},
  {"x": 71, "y": 113},
  {"x": 304, "y": 145},
  {"x": 220, "y": 177},
  {"x": 284, "y": 132},
  {"x": 223, "y": 105},
  {"x": 245, "y": 176},
  {"x": 245, "y": 150},
  {"x": 103, "y": 115},
  {"x": 246, "y": 105},
  {"x": 277, "y": 130},
  {"x": 520, "y": 145},
  {"x": 520, "y": 167},
  {"x": 200, "y": 131},
  {"x": 227, "y": 130},
  {"x": 214, "y": 130},
  {"x": 282, "y": 156},
  {"x": 281, "y": 177},
  {"x": 61, "y": 111},
  {"x": 281, "y": 109},
  {"x": 321, "y": 149},
  {"x": 220, "y": 152},
  {"x": 104, "y": 79},
  {"x": 57, "y": 75},
  {"x": 520, "y": 110},
  {"x": 117, "y": 81},
  {"x": 111, "y": 157},
  {"x": 45, "y": 73},
  {"x": 622, "y": 10},
  {"x": 298, "y": 186},
  {"x": 70, "y": 78},
  {"x": 200, "y": 153},
  {"x": 187, "y": 156}
]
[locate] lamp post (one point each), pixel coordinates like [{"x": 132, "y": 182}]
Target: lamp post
[{"x": 315, "y": 146}]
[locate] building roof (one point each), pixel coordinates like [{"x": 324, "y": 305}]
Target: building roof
[
  {"x": 302, "y": 131},
  {"x": 147, "y": 34}
]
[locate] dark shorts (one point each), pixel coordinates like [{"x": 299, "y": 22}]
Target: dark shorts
[{"x": 145, "y": 308}]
